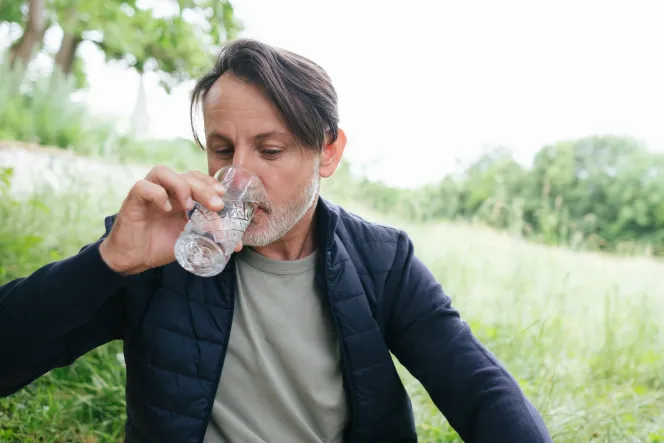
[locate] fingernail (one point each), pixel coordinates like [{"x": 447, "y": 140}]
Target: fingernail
[
  {"x": 190, "y": 203},
  {"x": 168, "y": 206},
  {"x": 220, "y": 188},
  {"x": 216, "y": 201}
]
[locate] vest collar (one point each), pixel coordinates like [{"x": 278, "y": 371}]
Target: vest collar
[{"x": 327, "y": 217}]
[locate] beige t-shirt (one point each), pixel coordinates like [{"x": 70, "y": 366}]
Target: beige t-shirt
[{"x": 281, "y": 380}]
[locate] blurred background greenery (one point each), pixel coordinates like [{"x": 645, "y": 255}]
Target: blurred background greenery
[{"x": 554, "y": 264}]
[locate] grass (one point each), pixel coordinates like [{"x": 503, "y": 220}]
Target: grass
[{"x": 581, "y": 332}]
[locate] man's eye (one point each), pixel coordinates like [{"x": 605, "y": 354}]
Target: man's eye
[
  {"x": 271, "y": 152},
  {"x": 224, "y": 152}
]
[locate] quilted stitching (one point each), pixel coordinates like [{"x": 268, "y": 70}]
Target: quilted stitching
[{"x": 176, "y": 355}]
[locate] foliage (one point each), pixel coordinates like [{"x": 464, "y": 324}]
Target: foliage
[
  {"x": 14, "y": 244},
  {"x": 42, "y": 111},
  {"x": 580, "y": 332},
  {"x": 176, "y": 46},
  {"x": 10, "y": 11},
  {"x": 598, "y": 192},
  {"x": 173, "y": 38}
]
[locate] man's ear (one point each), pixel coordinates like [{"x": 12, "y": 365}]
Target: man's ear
[{"x": 331, "y": 153}]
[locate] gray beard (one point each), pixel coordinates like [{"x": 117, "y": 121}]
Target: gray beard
[{"x": 281, "y": 220}]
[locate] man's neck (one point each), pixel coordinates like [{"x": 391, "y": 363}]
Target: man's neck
[{"x": 298, "y": 243}]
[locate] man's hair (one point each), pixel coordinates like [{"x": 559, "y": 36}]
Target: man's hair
[{"x": 300, "y": 90}]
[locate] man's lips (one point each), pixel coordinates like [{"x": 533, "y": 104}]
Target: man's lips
[{"x": 261, "y": 211}]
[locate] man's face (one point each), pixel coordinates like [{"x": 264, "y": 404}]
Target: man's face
[{"x": 243, "y": 128}]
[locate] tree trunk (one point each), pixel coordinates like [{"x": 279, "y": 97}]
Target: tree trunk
[
  {"x": 66, "y": 55},
  {"x": 33, "y": 34}
]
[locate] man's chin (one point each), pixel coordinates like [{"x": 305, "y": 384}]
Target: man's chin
[
  {"x": 252, "y": 242},
  {"x": 252, "y": 235}
]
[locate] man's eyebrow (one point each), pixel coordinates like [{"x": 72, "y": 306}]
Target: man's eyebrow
[
  {"x": 258, "y": 137},
  {"x": 219, "y": 135},
  {"x": 276, "y": 133}
]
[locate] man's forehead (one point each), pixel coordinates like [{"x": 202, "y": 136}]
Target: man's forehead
[
  {"x": 228, "y": 87},
  {"x": 214, "y": 93},
  {"x": 242, "y": 99}
]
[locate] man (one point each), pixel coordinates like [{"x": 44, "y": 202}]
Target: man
[{"x": 292, "y": 342}]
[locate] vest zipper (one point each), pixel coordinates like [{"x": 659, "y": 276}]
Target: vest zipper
[
  {"x": 221, "y": 362},
  {"x": 344, "y": 360}
]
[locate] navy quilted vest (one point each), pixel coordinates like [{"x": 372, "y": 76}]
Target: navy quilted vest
[{"x": 178, "y": 326}]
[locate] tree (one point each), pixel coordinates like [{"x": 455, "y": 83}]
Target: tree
[
  {"x": 495, "y": 174},
  {"x": 33, "y": 32},
  {"x": 176, "y": 44}
]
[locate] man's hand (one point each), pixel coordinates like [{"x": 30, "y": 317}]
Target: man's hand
[{"x": 152, "y": 217}]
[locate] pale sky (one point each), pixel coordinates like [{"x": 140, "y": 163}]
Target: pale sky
[{"x": 424, "y": 82}]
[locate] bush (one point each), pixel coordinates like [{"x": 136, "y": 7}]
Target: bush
[{"x": 42, "y": 110}]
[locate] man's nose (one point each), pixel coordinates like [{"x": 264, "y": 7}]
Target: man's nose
[{"x": 242, "y": 158}]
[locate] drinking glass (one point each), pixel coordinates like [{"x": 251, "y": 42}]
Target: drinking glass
[{"x": 210, "y": 237}]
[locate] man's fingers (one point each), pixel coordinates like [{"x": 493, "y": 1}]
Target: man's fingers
[
  {"x": 174, "y": 185},
  {"x": 239, "y": 246},
  {"x": 187, "y": 188},
  {"x": 204, "y": 194},
  {"x": 152, "y": 193},
  {"x": 211, "y": 181}
]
